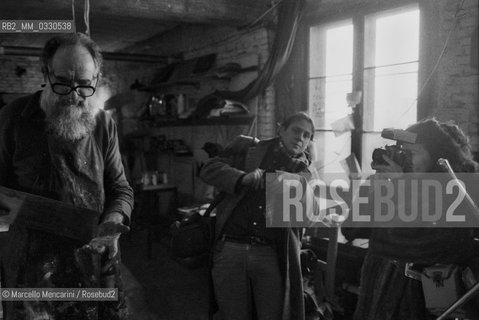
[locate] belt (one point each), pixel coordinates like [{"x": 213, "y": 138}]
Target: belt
[
  {"x": 245, "y": 239},
  {"x": 411, "y": 270}
]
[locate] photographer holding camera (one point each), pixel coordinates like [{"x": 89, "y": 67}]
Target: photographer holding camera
[{"x": 386, "y": 290}]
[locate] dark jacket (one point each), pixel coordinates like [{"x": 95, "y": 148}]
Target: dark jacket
[
  {"x": 385, "y": 292},
  {"x": 244, "y": 155}
]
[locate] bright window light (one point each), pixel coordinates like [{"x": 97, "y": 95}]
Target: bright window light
[
  {"x": 389, "y": 86},
  {"x": 331, "y": 65},
  {"x": 390, "y": 75},
  {"x": 391, "y": 69}
]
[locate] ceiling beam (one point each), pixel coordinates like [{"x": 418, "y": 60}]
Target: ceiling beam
[
  {"x": 233, "y": 13},
  {"x": 116, "y": 56}
]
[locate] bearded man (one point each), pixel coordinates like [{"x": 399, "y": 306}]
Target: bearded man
[{"x": 58, "y": 143}]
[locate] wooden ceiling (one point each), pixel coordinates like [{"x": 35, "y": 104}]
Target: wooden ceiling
[{"x": 119, "y": 24}]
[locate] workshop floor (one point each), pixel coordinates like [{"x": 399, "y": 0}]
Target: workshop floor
[{"x": 159, "y": 288}]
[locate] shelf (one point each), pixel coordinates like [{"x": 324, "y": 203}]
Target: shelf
[
  {"x": 167, "y": 85},
  {"x": 194, "y": 80},
  {"x": 154, "y": 125},
  {"x": 158, "y": 187},
  {"x": 217, "y": 121}
]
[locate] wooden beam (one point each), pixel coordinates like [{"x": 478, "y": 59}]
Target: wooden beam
[
  {"x": 114, "y": 56},
  {"x": 228, "y": 12}
]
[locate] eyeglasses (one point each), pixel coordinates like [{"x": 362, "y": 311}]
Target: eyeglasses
[{"x": 64, "y": 89}]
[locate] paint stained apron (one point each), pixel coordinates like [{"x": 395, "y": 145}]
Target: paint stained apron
[{"x": 73, "y": 173}]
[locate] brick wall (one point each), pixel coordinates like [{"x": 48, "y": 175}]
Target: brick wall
[
  {"x": 11, "y": 83},
  {"x": 457, "y": 83}
]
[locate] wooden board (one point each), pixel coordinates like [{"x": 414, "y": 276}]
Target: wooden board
[{"x": 49, "y": 215}]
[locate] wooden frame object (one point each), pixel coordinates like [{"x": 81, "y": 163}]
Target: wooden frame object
[{"x": 49, "y": 215}]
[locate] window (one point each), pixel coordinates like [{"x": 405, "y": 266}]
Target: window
[
  {"x": 330, "y": 79},
  {"x": 387, "y": 77}
]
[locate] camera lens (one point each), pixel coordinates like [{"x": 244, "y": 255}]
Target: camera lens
[{"x": 378, "y": 156}]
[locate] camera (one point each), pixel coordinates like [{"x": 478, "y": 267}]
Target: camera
[{"x": 395, "y": 152}]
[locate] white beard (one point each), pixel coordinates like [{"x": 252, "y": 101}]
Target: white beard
[{"x": 69, "y": 121}]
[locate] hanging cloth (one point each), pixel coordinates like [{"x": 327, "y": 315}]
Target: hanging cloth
[{"x": 289, "y": 16}]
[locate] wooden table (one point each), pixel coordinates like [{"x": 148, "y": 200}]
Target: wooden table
[{"x": 151, "y": 213}]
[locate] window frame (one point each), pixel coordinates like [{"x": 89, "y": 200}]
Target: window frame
[{"x": 358, "y": 14}]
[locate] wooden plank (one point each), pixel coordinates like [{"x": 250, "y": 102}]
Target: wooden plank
[
  {"x": 52, "y": 216},
  {"x": 332, "y": 257}
]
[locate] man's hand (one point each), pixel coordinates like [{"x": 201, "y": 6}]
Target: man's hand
[
  {"x": 109, "y": 232},
  {"x": 254, "y": 179}
]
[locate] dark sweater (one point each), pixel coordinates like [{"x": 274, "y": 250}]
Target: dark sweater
[{"x": 422, "y": 245}]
